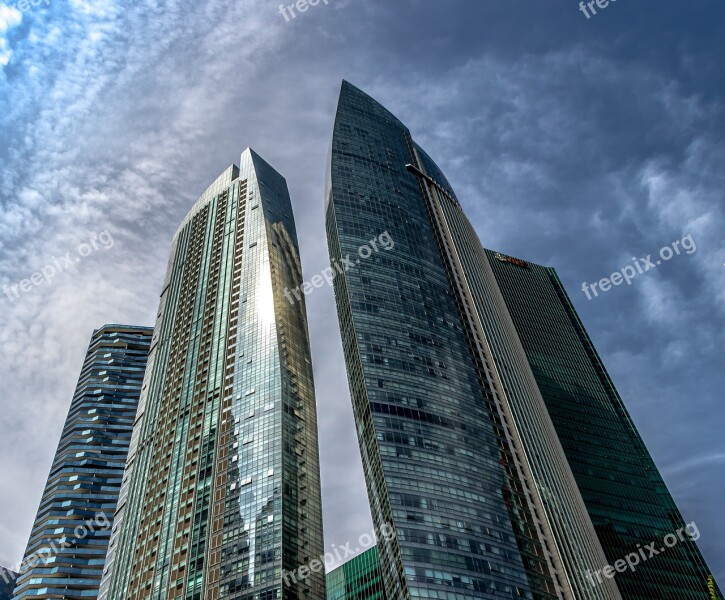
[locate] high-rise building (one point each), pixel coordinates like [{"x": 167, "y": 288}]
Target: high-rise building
[
  {"x": 459, "y": 452},
  {"x": 70, "y": 535},
  {"x": 357, "y": 579},
  {"x": 7, "y": 583},
  {"x": 222, "y": 491},
  {"x": 624, "y": 492}
]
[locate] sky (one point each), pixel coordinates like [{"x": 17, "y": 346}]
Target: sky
[{"x": 574, "y": 142}]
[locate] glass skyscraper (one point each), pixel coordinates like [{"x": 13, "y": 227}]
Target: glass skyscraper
[
  {"x": 70, "y": 535},
  {"x": 460, "y": 454},
  {"x": 357, "y": 579},
  {"x": 222, "y": 491},
  {"x": 624, "y": 493},
  {"x": 7, "y": 583}
]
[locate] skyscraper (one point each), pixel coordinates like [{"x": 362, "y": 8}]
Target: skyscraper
[
  {"x": 460, "y": 454},
  {"x": 624, "y": 493},
  {"x": 222, "y": 490},
  {"x": 7, "y": 583},
  {"x": 70, "y": 535},
  {"x": 357, "y": 579}
]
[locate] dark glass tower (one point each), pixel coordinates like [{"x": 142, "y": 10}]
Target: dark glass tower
[
  {"x": 624, "y": 493},
  {"x": 70, "y": 535},
  {"x": 7, "y": 583},
  {"x": 458, "y": 449},
  {"x": 358, "y": 579},
  {"x": 222, "y": 491}
]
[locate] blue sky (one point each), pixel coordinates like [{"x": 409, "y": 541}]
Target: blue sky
[{"x": 571, "y": 142}]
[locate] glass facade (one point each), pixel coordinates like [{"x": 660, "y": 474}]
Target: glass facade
[
  {"x": 222, "y": 491},
  {"x": 7, "y": 583},
  {"x": 624, "y": 493},
  {"x": 70, "y": 535},
  {"x": 445, "y": 460},
  {"x": 358, "y": 579}
]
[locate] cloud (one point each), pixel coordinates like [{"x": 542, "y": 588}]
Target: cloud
[{"x": 9, "y": 17}]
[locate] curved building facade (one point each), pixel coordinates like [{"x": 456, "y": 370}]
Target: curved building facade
[
  {"x": 222, "y": 491},
  {"x": 459, "y": 452},
  {"x": 70, "y": 536}
]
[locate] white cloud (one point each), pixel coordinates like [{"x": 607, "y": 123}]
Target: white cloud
[{"x": 9, "y": 17}]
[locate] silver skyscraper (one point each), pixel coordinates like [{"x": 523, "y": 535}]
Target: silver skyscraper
[
  {"x": 222, "y": 490},
  {"x": 459, "y": 451}
]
